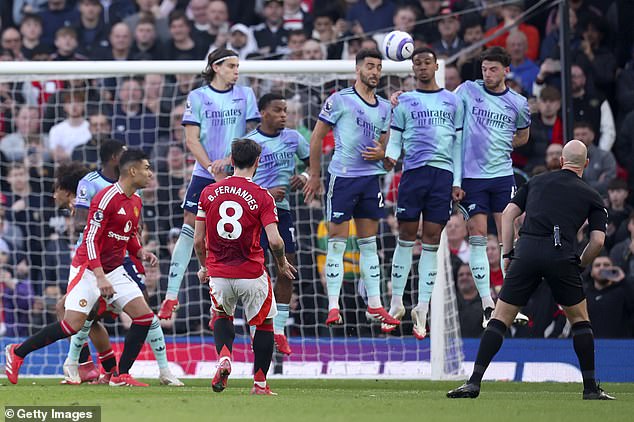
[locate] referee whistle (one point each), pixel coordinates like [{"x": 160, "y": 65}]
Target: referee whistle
[{"x": 557, "y": 236}]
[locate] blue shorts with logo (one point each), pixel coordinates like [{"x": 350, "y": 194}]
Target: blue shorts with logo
[
  {"x": 487, "y": 195},
  {"x": 286, "y": 229},
  {"x": 133, "y": 272},
  {"x": 358, "y": 197},
  {"x": 192, "y": 196},
  {"x": 425, "y": 189}
]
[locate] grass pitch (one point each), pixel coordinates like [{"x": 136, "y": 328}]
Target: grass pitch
[{"x": 328, "y": 401}]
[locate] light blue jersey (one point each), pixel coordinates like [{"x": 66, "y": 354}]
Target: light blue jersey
[
  {"x": 87, "y": 188},
  {"x": 356, "y": 125},
  {"x": 277, "y": 161},
  {"x": 222, "y": 117},
  {"x": 490, "y": 121},
  {"x": 424, "y": 124}
]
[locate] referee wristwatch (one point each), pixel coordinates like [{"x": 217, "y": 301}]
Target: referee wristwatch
[{"x": 509, "y": 254}]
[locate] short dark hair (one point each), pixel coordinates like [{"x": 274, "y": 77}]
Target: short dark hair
[
  {"x": 68, "y": 175},
  {"x": 245, "y": 152},
  {"x": 618, "y": 184},
  {"x": 550, "y": 93},
  {"x": 131, "y": 156},
  {"x": 31, "y": 17},
  {"x": 108, "y": 149},
  {"x": 267, "y": 99},
  {"x": 421, "y": 50},
  {"x": 219, "y": 53},
  {"x": 496, "y": 54},
  {"x": 582, "y": 124},
  {"x": 176, "y": 15},
  {"x": 365, "y": 53},
  {"x": 66, "y": 30},
  {"x": 297, "y": 33}
]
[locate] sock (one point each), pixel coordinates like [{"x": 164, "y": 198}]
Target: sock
[
  {"x": 108, "y": 360},
  {"x": 583, "y": 342},
  {"x": 370, "y": 270},
  {"x": 134, "y": 341},
  {"x": 479, "y": 263},
  {"x": 224, "y": 334},
  {"x": 401, "y": 265},
  {"x": 263, "y": 351},
  {"x": 78, "y": 340},
  {"x": 279, "y": 321},
  {"x": 47, "y": 335},
  {"x": 156, "y": 340},
  {"x": 490, "y": 344},
  {"x": 427, "y": 269},
  {"x": 334, "y": 270},
  {"x": 84, "y": 355},
  {"x": 180, "y": 260}
]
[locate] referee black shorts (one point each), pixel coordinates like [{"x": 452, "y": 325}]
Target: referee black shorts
[{"x": 537, "y": 258}]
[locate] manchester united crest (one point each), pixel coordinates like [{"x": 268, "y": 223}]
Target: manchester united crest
[{"x": 136, "y": 212}]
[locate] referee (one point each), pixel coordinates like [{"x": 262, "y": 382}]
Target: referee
[{"x": 556, "y": 204}]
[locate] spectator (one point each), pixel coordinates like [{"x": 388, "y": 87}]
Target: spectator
[
  {"x": 370, "y": 16},
  {"x": 456, "y": 237},
  {"x": 469, "y": 63},
  {"x": 602, "y": 167},
  {"x": 610, "y": 299},
  {"x": 100, "y": 130},
  {"x": 295, "y": 118},
  {"x": 618, "y": 212},
  {"x": 622, "y": 254},
  {"x": 146, "y": 46},
  {"x": 197, "y": 12},
  {"x": 494, "y": 254},
  {"x": 624, "y": 146},
  {"x": 92, "y": 32},
  {"x": 9, "y": 232},
  {"x": 21, "y": 8},
  {"x": 73, "y": 131},
  {"x": 313, "y": 50},
  {"x": 152, "y": 87},
  {"x": 215, "y": 33},
  {"x": 27, "y": 125},
  {"x": 31, "y": 31},
  {"x": 149, "y": 8},
  {"x": 116, "y": 11},
  {"x": 57, "y": 14},
  {"x": 510, "y": 12},
  {"x": 120, "y": 43},
  {"x": 428, "y": 31},
  {"x": 242, "y": 42},
  {"x": 594, "y": 54},
  {"x": 175, "y": 94},
  {"x": 243, "y": 11},
  {"x": 452, "y": 77},
  {"x": 296, "y": 17},
  {"x": 172, "y": 177},
  {"x": 550, "y": 45},
  {"x": 270, "y": 35},
  {"x": 133, "y": 123},
  {"x": 17, "y": 296},
  {"x": 66, "y": 44},
  {"x": 522, "y": 67},
  {"x": 553, "y": 154},
  {"x": 469, "y": 306},
  {"x": 296, "y": 40},
  {"x": 326, "y": 32},
  {"x": 448, "y": 28},
  {"x": 405, "y": 18},
  {"x": 12, "y": 40},
  {"x": 182, "y": 46},
  {"x": 625, "y": 87}
]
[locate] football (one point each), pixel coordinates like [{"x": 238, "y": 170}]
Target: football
[{"x": 398, "y": 46}]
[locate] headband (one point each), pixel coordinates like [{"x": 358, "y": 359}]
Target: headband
[{"x": 222, "y": 59}]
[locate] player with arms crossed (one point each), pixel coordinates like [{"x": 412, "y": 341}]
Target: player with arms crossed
[
  {"x": 215, "y": 114},
  {"x": 97, "y": 271},
  {"x": 496, "y": 120},
  {"x": 426, "y": 123},
  {"x": 78, "y": 362},
  {"x": 231, "y": 215},
  {"x": 276, "y": 172},
  {"x": 360, "y": 121}
]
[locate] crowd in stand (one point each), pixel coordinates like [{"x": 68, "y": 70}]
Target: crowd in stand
[{"x": 45, "y": 122}]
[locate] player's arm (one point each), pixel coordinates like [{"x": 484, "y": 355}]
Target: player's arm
[
  {"x": 299, "y": 180},
  {"x": 376, "y": 152},
  {"x": 457, "y": 154},
  {"x": 521, "y": 137},
  {"x": 200, "y": 246},
  {"x": 597, "y": 223},
  {"x": 511, "y": 212},
  {"x": 313, "y": 186},
  {"x": 594, "y": 246},
  {"x": 96, "y": 222},
  {"x": 192, "y": 140},
  {"x": 79, "y": 219},
  {"x": 276, "y": 243}
]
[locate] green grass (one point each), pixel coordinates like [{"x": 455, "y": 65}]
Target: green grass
[{"x": 329, "y": 400}]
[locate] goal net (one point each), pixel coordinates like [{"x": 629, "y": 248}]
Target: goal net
[{"x": 36, "y": 251}]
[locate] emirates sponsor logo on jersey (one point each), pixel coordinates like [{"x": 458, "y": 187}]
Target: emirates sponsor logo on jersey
[{"x": 118, "y": 236}]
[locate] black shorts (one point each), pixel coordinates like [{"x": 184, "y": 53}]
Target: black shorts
[{"x": 537, "y": 258}]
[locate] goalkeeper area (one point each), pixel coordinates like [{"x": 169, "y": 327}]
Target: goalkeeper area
[{"x": 329, "y": 400}]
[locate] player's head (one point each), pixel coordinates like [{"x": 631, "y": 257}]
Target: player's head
[
  {"x": 495, "y": 65},
  {"x": 110, "y": 152},
  {"x": 134, "y": 166},
  {"x": 369, "y": 67},
  {"x": 272, "y": 107},
  {"x": 245, "y": 155},
  {"x": 222, "y": 67},
  {"x": 67, "y": 177},
  {"x": 574, "y": 156},
  {"x": 424, "y": 64}
]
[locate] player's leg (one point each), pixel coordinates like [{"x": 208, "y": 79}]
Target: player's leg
[
  {"x": 184, "y": 245},
  {"x": 101, "y": 340},
  {"x": 79, "y": 366},
  {"x": 263, "y": 351},
  {"x": 223, "y": 304}
]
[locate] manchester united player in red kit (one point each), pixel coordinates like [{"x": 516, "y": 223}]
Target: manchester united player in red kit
[
  {"x": 97, "y": 270},
  {"x": 229, "y": 223}
]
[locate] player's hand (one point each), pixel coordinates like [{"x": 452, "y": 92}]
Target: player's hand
[
  {"x": 105, "y": 287},
  {"x": 312, "y": 188},
  {"x": 287, "y": 269},
  {"x": 507, "y": 263},
  {"x": 202, "y": 275},
  {"x": 374, "y": 153},
  {"x": 389, "y": 163},
  {"x": 298, "y": 181},
  {"x": 167, "y": 307},
  {"x": 457, "y": 194},
  {"x": 219, "y": 167},
  {"x": 394, "y": 98},
  {"x": 278, "y": 192},
  {"x": 146, "y": 256}
]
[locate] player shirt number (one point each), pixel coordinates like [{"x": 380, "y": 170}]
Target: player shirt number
[{"x": 230, "y": 220}]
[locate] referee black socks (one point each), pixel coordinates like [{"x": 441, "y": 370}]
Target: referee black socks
[
  {"x": 490, "y": 344},
  {"x": 583, "y": 342}
]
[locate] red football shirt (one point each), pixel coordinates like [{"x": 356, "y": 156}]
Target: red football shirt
[
  {"x": 113, "y": 220},
  {"x": 234, "y": 211}
]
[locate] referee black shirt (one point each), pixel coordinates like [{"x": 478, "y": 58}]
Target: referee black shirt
[{"x": 560, "y": 198}]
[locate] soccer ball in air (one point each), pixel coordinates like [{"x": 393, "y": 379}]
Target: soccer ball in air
[{"x": 398, "y": 46}]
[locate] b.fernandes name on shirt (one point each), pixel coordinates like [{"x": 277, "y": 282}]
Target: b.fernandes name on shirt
[{"x": 234, "y": 190}]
